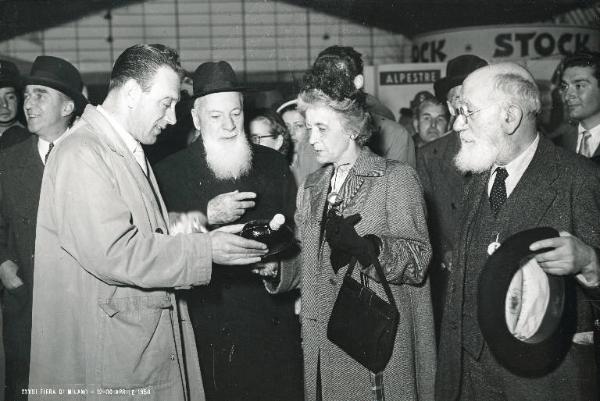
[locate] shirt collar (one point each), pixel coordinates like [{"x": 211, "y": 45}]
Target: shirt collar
[
  {"x": 130, "y": 142},
  {"x": 516, "y": 167},
  {"x": 43, "y": 145},
  {"x": 595, "y": 131}
]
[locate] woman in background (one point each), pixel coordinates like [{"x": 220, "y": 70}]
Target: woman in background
[
  {"x": 268, "y": 129},
  {"x": 304, "y": 160}
]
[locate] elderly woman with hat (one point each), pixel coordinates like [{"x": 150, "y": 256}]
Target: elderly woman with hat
[{"x": 359, "y": 206}]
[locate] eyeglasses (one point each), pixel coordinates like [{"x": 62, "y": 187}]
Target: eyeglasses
[
  {"x": 257, "y": 138},
  {"x": 463, "y": 111}
]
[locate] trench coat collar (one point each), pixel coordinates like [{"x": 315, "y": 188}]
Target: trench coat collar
[{"x": 147, "y": 184}]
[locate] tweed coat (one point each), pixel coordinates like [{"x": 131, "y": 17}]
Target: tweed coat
[
  {"x": 105, "y": 316},
  {"x": 388, "y": 196},
  {"x": 443, "y": 188},
  {"x": 21, "y": 171},
  {"x": 558, "y": 189}
]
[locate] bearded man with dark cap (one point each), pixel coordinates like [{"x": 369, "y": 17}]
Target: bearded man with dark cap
[
  {"x": 248, "y": 340},
  {"x": 442, "y": 182}
]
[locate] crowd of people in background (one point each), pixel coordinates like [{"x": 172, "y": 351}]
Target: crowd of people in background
[{"x": 124, "y": 274}]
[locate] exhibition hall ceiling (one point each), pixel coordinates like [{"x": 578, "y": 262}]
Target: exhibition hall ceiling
[{"x": 408, "y": 17}]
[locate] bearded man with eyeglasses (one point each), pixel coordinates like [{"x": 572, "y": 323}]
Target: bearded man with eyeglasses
[{"x": 520, "y": 181}]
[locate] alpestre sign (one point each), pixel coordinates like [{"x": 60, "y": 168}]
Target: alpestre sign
[{"x": 506, "y": 42}]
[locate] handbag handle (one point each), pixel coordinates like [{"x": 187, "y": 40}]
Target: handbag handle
[{"x": 379, "y": 270}]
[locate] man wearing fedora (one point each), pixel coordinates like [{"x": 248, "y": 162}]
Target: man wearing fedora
[
  {"x": 443, "y": 183},
  {"x": 11, "y": 129},
  {"x": 520, "y": 180},
  {"x": 52, "y": 100},
  {"x": 248, "y": 341},
  {"x": 105, "y": 316}
]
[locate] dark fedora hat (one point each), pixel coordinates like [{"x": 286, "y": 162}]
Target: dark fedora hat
[
  {"x": 58, "y": 74},
  {"x": 215, "y": 77},
  {"x": 457, "y": 70},
  {"x": 9, "y": 75},
  {"x": 550, "y": 338}
]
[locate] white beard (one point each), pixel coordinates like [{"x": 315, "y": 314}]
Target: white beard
[
  {"x": 228, "y": 158},
  {"x": 476, "y": 157}
]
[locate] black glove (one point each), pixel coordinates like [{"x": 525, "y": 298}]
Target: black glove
[{"x": 345, "y": 242}]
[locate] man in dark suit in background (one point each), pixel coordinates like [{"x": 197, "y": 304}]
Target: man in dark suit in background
[
  {"x": 52, "y": 100},
  {"x": 245, "y": 336},
  {"x": 580, "y": 89},
  {"x": 11, "y": 130},
  {"x": 521, "y": 180},
  {"x": 443, "y": 183}
]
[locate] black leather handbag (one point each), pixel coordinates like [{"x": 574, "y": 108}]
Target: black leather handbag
[{"x": 362, "y": 324}]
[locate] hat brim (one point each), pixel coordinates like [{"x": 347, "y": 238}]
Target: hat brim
[
  {"x": 545, "y": 350},
  {"x": 442, "y": 86},
  {"x": 76, "y": 96},
  {"x": 10, "y": 83},
  {"x": 219, "y": 90}
]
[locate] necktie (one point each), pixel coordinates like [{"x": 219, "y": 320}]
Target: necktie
[
  {"x": 498, "y": 193},
  {"x": 584, "y": 147},
  {"x": 48, "y": 152},
  {"x": 140, "y": 158}
]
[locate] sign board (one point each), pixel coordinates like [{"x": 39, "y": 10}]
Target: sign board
[
  {"x": 395, "y": 85},
  {"x": 504, "y": 42}
]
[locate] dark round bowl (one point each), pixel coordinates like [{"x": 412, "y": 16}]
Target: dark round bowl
[{"x": 276, "y": 240}]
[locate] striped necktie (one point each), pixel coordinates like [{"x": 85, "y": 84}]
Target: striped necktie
[
  {"x": 585, "y": 148},
  {"x": 50, "y": 147}
]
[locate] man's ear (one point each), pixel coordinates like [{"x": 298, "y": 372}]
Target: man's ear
[
  {"x": 132, "y": 91},
  {"x": 415, "y": 123},
  {"x": 68, "y": 108},
  {"x": 511, "y": 118},
  {"x": 194, "y": 111},
  {"x": 279, "y": 142},
  {"x": 359, "y": 81}
]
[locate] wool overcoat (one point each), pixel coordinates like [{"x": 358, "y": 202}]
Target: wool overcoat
[
  {"x": 388, "y": 196},
  {"x": 560, "y": 190},
  {"x": 21, "y": 171}
]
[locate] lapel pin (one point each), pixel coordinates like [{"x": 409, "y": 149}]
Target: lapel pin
[{"x": 493, "y": 246}]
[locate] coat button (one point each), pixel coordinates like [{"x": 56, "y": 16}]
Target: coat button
[
  {"x": 172, "y": 357},
  {"x": 158, "y": 230},
  {"x": 275, "y": 321},
  {"x": 332, "y": 281},
  {"x": 453, "y": 206}
]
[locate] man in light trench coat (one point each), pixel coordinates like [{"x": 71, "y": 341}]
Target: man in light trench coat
[{"x": 106, "y": 324}]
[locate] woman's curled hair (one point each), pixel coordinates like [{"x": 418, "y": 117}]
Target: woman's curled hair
[{"x": 356, "y": 120}]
